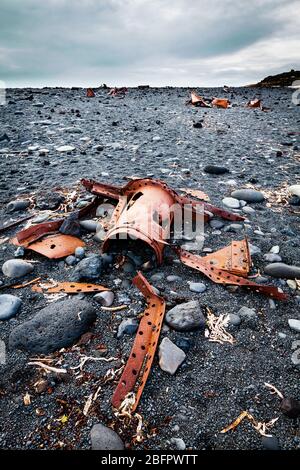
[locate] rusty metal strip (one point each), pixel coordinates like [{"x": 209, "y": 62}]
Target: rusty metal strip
[
  {"x": 143, "y": 350},
  {"x": 35, "y": 232},
  {"x": 101, "y": 189},
  {"x": 71, "y": 288},
  {"x": 222, "y": 276},
  {"x": 57, "y": 246},
  {"x": 234, "y": 258}
]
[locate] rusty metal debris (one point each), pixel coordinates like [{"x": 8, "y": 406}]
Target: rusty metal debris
[
  {"x": 142, "y": 353},
  {"x": 90, "y": 93},
  {"x": 57, "y": 246},
  {"x": 130, "y": 217},
  {"x": 118, "y": 92},
  {"x": 197, "y": 100},
  {"x": 256, "y": 103},
  {"x": 228, "y": 266},
  {"x": 70, "y": 288},
  {"x": 220, "y": 102}
]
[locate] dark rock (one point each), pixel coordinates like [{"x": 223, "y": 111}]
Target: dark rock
[
  {"x": 17, "y": 206},
  {"x": 71, "y": 226},
  {"x": 290, "y": 407},
  {"x": 248, "y": 195},
  {"x": 270, "y": 443},
  {"x": 282, "y": 270},
  {"x": 56, "y": 326},
  {"x": 215, "y": 170},
  {"x": 127, "y": 327},
  {"x": 88, "y": 268},
  {"x": 49, "y": 201}
]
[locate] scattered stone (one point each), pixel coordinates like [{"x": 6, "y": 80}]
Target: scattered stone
[
  {"x": 80, "y": 252},
  {"x": 183, "y": 343},
  {"x": 282, "y": 270},
  {"x": 233, "y": 228},
  {"x": 248, "y": 195},
  {"x": 270, "y": 443},
  {"x": 16, "y": 268},
  {"x": 65, "y": 148},
  {"x": 248, "y": 210},
  {"x": 186, "y": 317},
  {"x": 295, "y": 190},
  {"x": 88, "y": 268},
  {"x": 20, "y": 252},
  {"x": 198, "y": 287},
  {"x": 254, "y": 250},
  {"x": 294, "y": 324},
  {"x": 173, "y": 278},
  {"x": 275, "y": 249},
  {"x": 272, "y": 258},
  {"x": 105, "y": 298},
  {"x": 49, "y": 200},
  {"x": 71, "y": 260},
  {"x": 127, "y": 327},
  {"x": 9, "y": 306},
  {"x": 292, "y": 284},
  {"x": 231, "y": 202},
  {"x": 89, "y": 225},
  {"x": 247, "y": 313},
  {"x": 40, "y": 218},
  {"x": 56, "y": 326},
  {"x": 215, "y": 170},
  {"x": 170, "y": 356},
  {"x": 234, "y": 319},
  {"x": 216, "y": 224},
  {"x": 179, "y": 443},
  {"x": 290, "y": 407},
  {"x": 17, "y": 206},
  {"x": 104, "y": 438}
]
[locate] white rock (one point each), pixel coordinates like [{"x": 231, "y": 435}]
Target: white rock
[
  {"x": 170, "y": 356},
  {"x": 65, "y": 148}
]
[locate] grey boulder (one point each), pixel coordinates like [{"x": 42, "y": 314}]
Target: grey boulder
[
  {"x": 127, "y": 327},
  {"x": 104, "y": 438},
  {"x": 16, "y": 268},
  {"x": 9, "y": 306},
  {"x": 56, "y": 326},
  {"x": 88, "y": 268},
  {"x": 186, "y": 317}
]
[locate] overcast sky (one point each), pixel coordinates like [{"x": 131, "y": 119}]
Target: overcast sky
[{"x": 156, "y": 42}]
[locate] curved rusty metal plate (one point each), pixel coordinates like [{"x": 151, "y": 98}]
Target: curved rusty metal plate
[
  {"x": 140, "y": 360},
  {"x": 220, "y": 102},
  {"x": 57, "y": 246},
  {"x": 221, "y": 276},
  {"x": 70, "y": 288}
]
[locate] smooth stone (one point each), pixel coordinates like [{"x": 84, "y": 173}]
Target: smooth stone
[
  {"x": 246, "y": 313},
  {"x": 270, "y": 443},
  {"x": 294, "y": 189},
  {"x": 216, "y": 224},
  {"x": 20, "y": 252},
  {"x": 40, "y": 218},
  {"x": 9, "y": 306},
  {"x": 170, "y": 356},
  {"x": 186, "y": 316},
  {"x": 294, "y": 324},
  {"x": 231, "y": 202},
  {"x": 179, "y": 443},
  {"x": 88, "y": 268},
  {"x": 105, "y": 298},
  {"x": 254, "y": 250},
  {"x": 89, "y": 225},
  {"x": 292, "y": 284},
  {"x": 275, "y": 249},
  {"x": 104, "y": 438},
  {"x": 198, "y": 287},
  {"x": 128, "y": 267},
  {"x": 73, "y": 130},
  {"x": 248, "y": 195},
  {"x": 127, "y": 327},
  {"x": 79, "y": 252},
  {"x": 234, "y": 319},
  {"x": 65, "y": 148},
  {"x": 173, "y": 278},
  {"x": 290, "y": 407},
  {"x": 233, "y": 228},
  {"x": 215, "y": 170},
  {"x": 71, "y": 260},
  {"x": 16, "y": 268},
  {"x": 17, "y": 206},
  {"x": 272, "y": 258},
  {"x": 248, "y": 210},
  {"x": 56, "y": 326},
  {"x": 282, "y": 270}
]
